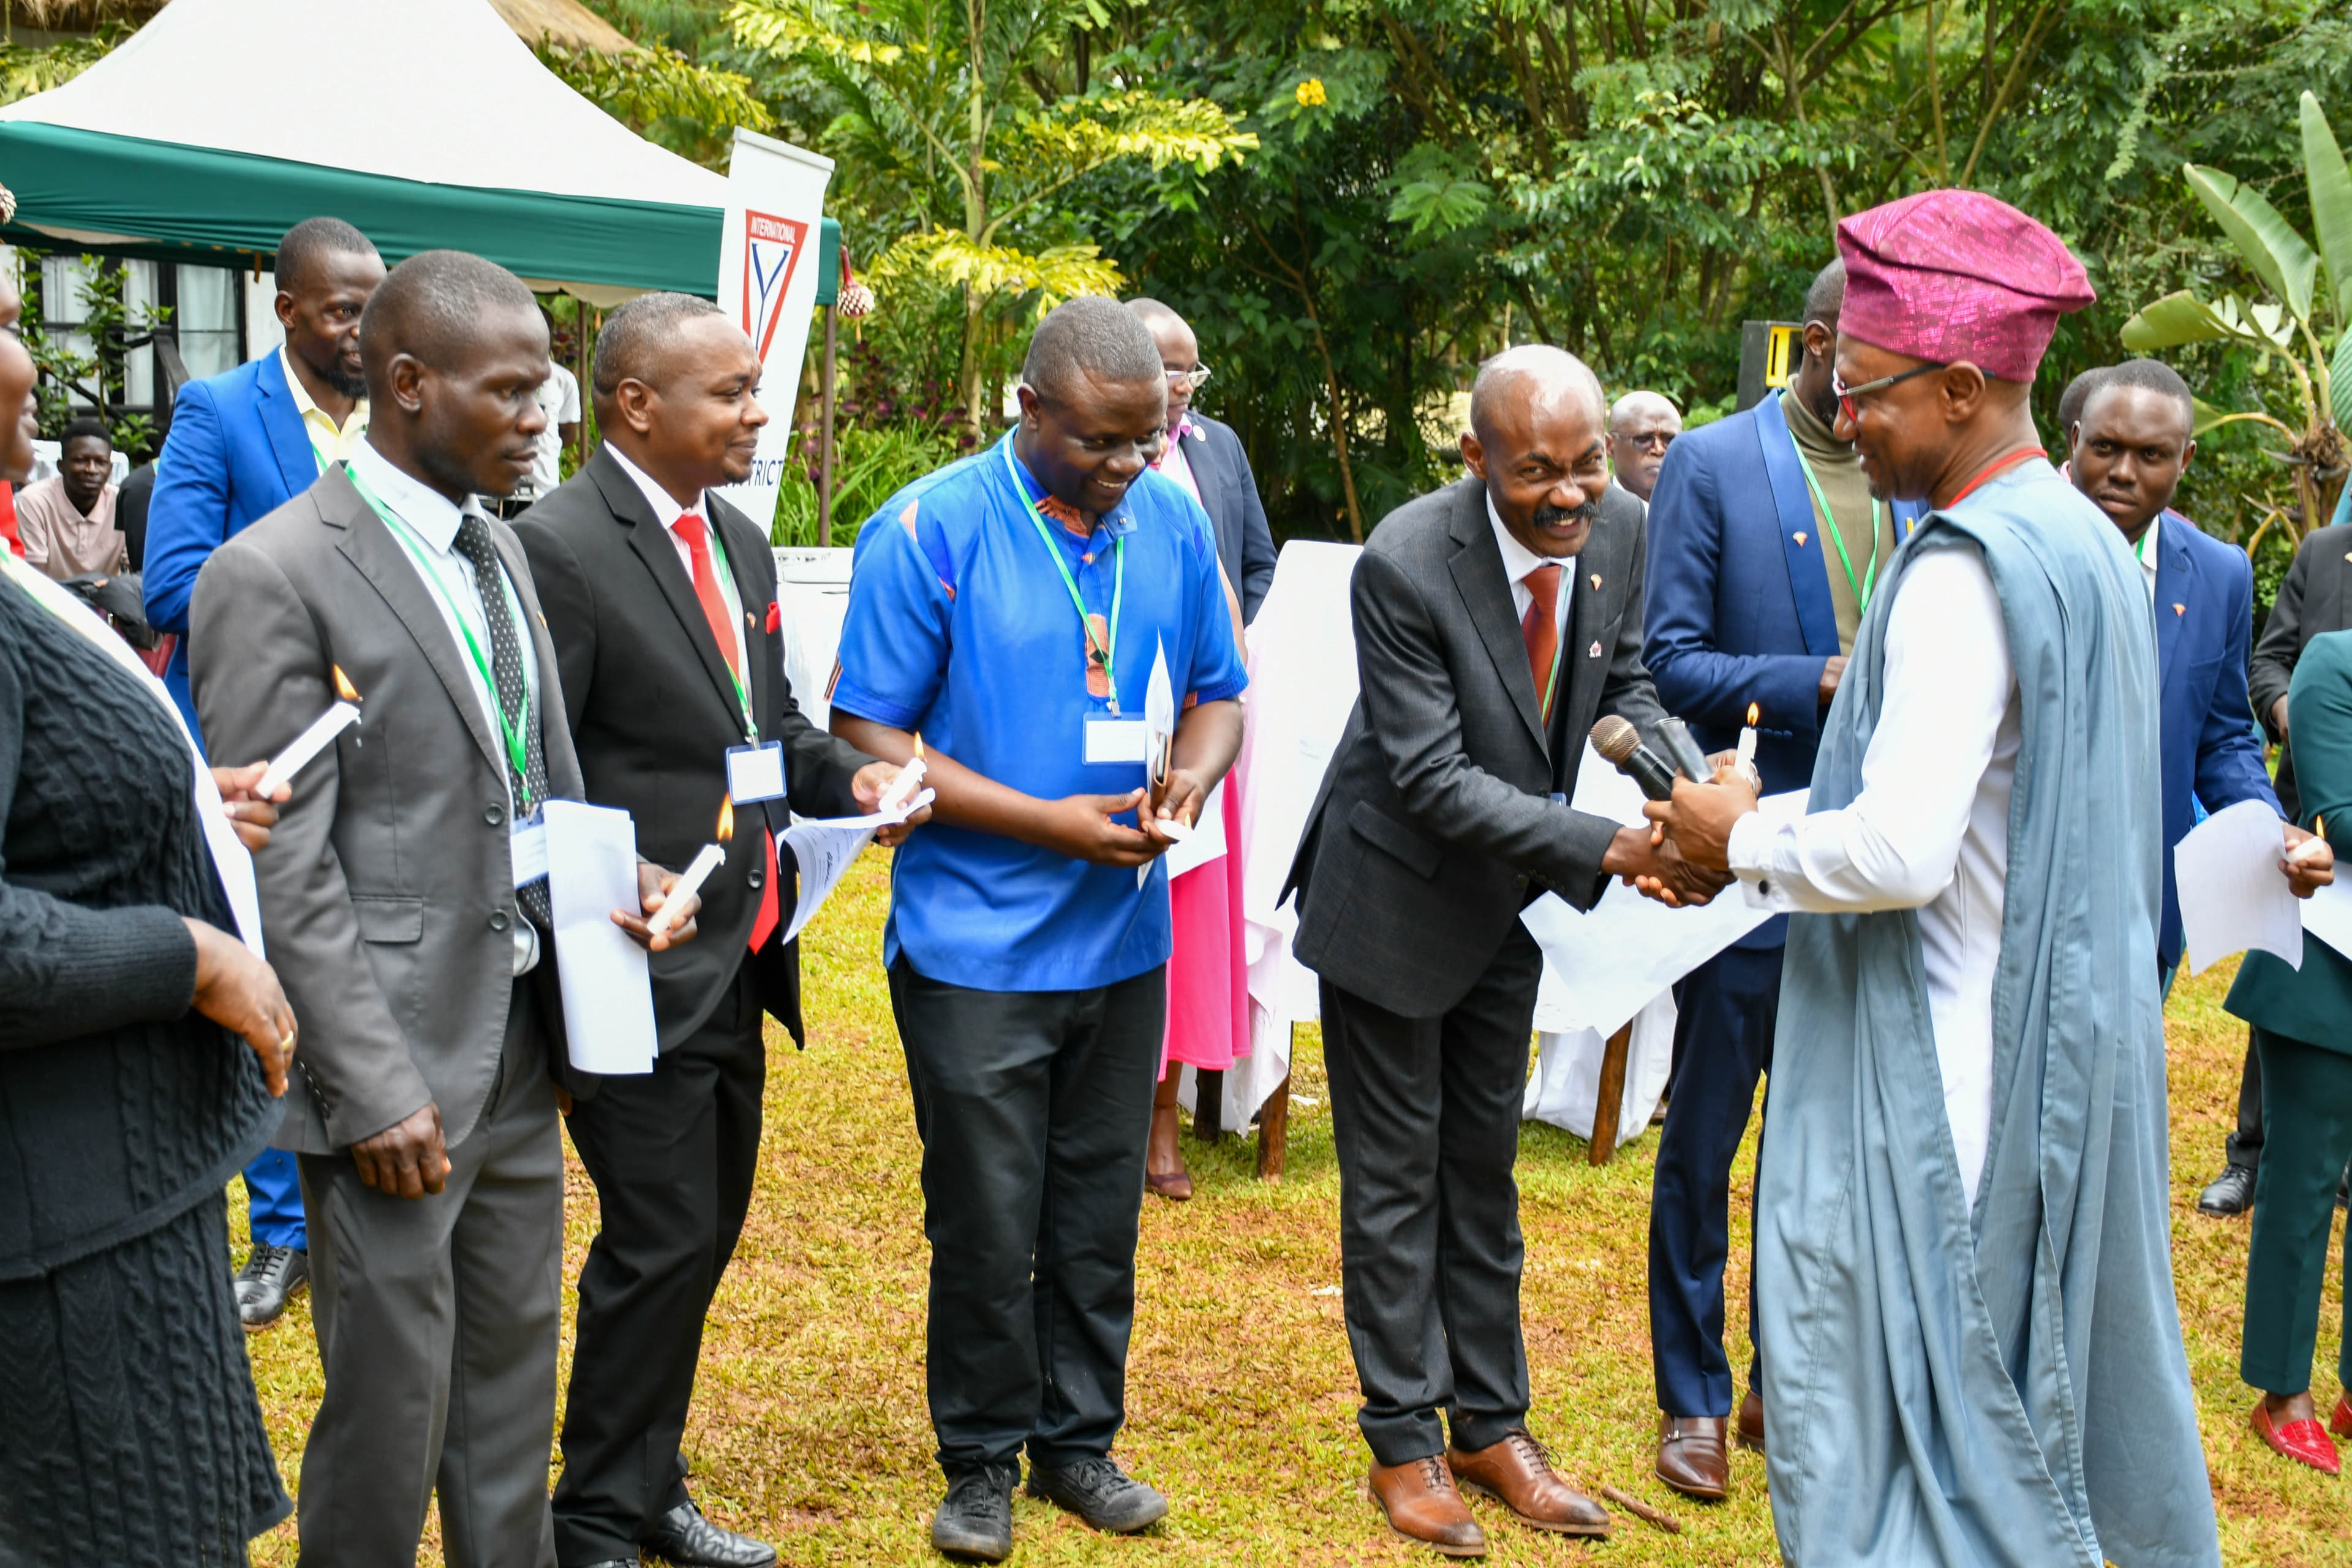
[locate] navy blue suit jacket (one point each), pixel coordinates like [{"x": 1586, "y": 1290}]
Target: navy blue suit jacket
[
  {"x": 2210, "y": 749},
  {"x": 236, "y": 452},
  {"x": 1740, "y": 606},
  {"x": 1229, "y": 495}
]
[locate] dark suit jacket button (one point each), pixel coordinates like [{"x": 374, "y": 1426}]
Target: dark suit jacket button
[
  {"x": 498, "y": 919},
  {"x": 494, "y": 813}
]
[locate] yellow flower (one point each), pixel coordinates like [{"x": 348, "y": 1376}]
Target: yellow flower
[{"x": 1311, "y": 94}]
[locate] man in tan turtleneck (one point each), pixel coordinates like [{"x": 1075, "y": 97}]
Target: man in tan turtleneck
[{"x": 1764, "y": 548}]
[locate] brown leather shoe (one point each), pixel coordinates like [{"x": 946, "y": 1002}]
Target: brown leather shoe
[
  {"x": 1690, "y": 1456},
  {"x": 1422, "y": 1504},
  {"x": 1517, "y": 1473},
  {"x": 1752, "y": 1422}
]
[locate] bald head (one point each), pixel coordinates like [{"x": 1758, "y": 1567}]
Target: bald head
[
  {"x": 432, "y": 305},
  {"x": 1809, "y": 384},
  {"x": 1642, "y": 425},
  {"x": 454, "y": 349},
  {"x": 1180, "y": 355},
  {"x": 1536, "y": 419}
]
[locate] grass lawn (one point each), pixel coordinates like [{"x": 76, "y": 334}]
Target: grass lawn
[{"x": 809, "y": 1425}]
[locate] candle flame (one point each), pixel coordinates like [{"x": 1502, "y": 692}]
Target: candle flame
[
  {"x": 343, "y": 687},
  {"x": 918, "y": 745},
  {"x": 1754, "y": 713},
  {"x": 2318, "y": 825},
  {"x": 726, "y": 819}
]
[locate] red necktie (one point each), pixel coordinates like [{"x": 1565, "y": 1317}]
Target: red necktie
[
  {"x": 1540, "y": 631},
  {"x": 691, "y": 529}
]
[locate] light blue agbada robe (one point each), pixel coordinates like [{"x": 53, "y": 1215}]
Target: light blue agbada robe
[{"x": 2007, "y": 1385}]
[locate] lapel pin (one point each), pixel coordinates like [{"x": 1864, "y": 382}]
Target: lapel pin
[
  {"x": 1801, "y": 538},
  {"x": 2179, "y": 609},
  {"x": 1592, "y": 652},
  {"x": 1596, "y": 582}
]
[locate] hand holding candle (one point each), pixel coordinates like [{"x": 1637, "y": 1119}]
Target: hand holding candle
[
  {"x": 909, "y": 779},
  {"x": 312, "y": 740},
  {"x": 2309, "y": 849},
  {"x": 707, "y": 860},
  {"x": 2311, "y": 864}
]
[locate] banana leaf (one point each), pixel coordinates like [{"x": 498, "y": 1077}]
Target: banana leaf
[
  {"x": 2267, "y": 241},
  {"x": 2331, "y": 204},
  {"x": 2176, "y": 318}
]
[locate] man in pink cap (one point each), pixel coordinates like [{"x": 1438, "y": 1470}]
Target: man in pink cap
[{"x": 1965, "y": 1150}]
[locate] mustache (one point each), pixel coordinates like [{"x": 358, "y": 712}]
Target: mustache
[{"x": 1560, "y": 516}]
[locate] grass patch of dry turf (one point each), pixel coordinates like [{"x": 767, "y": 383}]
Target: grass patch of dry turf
[{"x": 809, "y": 1426}]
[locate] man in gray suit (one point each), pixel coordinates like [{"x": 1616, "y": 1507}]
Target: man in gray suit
[
  {"x": 1495, "y": 621},
  {"x": 410, "y": 928}
]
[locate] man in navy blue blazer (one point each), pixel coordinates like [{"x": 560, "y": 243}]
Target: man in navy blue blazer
[
  {"x": 1765, "y": 543},
  {"x": 242, "y": 443},
  {"x": 246, "y": 441}
]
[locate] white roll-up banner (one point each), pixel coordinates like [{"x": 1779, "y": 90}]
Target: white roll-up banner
[{"x": 767, "y": 282}]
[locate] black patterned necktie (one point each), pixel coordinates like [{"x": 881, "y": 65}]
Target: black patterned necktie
[{"x": 474, "y": 544}]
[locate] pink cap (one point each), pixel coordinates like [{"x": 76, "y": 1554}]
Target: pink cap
[{"x": 1957, "y": 275}]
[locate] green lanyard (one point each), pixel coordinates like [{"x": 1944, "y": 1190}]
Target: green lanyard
[
  {"x": 1829, "y": 525},
  {"x": 1108, "y": 657},
  {"x": 2139, "y": 547},
  {"x": 751, "y": 727},
  {"x": 510, "y": 730}
]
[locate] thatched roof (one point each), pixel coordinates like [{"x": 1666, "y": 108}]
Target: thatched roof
[{"x": 565, "y": 22}]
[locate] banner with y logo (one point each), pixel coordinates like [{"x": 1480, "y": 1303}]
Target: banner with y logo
[{"x": 767, "y": 282}]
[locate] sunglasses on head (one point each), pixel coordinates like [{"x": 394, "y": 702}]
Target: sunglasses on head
[{"x": 1850, "y": 397}]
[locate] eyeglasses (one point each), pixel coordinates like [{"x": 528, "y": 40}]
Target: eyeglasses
[
  {"x": 1189, "y": 380},
  {"x": 1850, "y": 397},
  {"x": 1649, "y": 440}
]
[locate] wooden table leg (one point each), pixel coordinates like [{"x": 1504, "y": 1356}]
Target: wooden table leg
[
  {"x": 1609, "y": 1103},
  {"x": 1208, "y": 1104},
  {"x": 1274, "y": 1132}
]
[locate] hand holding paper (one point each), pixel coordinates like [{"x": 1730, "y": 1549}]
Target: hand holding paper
[{"x": 2232, "y": 897}]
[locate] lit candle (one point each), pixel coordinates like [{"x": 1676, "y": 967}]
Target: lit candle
[
  {"x": 312, "y": 740},
  {"x": 697, "y": 872},
  {"x": 2311, "y": 846},
  {"x": 904, "y": 784},
  {"x": 1747, "y": 744}
]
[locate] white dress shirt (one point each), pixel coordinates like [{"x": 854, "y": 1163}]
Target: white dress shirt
[
  {"x": 428, "y": 533},
  {"x": 1518, "y": 562},
  {"x": 667, "y": 508},
  {"x": 1930, "y": 829}
]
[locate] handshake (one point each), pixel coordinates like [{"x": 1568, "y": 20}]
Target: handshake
[{"x": 1681, "y": 856}]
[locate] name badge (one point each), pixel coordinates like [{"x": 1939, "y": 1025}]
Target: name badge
[
  {"x": 1115, "y": 740},
  {"x": 755, "y": 773},
  {"x": 526, "y": 847}
]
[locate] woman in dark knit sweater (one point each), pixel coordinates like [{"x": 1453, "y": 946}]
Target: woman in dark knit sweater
[{"x": 141, "y": 1046}]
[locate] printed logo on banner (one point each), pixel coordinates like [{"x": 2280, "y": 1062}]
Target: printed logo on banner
[{"x": 771, "y": 247}]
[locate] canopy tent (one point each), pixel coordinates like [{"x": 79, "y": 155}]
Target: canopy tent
[{"x": 443, "y": 129}]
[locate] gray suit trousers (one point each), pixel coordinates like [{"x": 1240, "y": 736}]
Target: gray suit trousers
[{"x": 436, "y": 1323}]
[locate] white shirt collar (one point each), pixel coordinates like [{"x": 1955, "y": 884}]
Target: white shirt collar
[
  {"x": 1518, "y": 559},
  {"x": 432, "y": 514},
  {"x": 666, "y": 507}
]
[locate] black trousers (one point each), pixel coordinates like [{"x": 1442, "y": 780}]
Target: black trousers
[
  {"x": 1426, "y": 1120},
  {"x": 2245, "y": 1143},
  {"x": 1033, "y": 1107},
  {"x": 1723, "y": 1033},
  {"x": 672, "y": 1153}
]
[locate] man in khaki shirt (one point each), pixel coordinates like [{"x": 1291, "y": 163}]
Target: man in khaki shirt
[{"x": 66, "y": 521}]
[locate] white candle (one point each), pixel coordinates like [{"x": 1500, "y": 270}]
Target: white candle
[
  {"x": 902, "y": 786},
  {"x": 673, "y": 908},
  {"x": 1748, "y": 744},
  {"x": 306, "y": 745},
  {"x": 2310, "y": 846}
]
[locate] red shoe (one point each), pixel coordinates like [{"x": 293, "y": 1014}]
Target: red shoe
[
  {"x": 2304, "y": 1441},
  {"x": 2342, "y": 1425}
]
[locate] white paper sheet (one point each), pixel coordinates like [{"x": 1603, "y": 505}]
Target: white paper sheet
[
  {"x": 879, "y": 820},
  {"x": 608, "y": 998},
  {"x": 2233, "y": 896},
  {"x": 2328, "y": 914},
  {"x": 1207, "y": 841},
  {"x": 824, "y": 850},
  {"x": 1612, "y": 959}
]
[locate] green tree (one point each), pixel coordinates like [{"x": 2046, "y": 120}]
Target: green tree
[{"x": 976, "y": 117}]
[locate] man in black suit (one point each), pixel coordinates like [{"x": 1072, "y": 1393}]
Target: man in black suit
[
  {"x": 1206, "y": 458},
  {"x": 660, "y": 598},
  {"x": 2314, "y": 598},
  {"x": 1495, "y": 621}
]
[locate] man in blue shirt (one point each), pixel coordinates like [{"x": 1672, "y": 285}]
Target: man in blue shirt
[{"x": 1006, "y": 615}]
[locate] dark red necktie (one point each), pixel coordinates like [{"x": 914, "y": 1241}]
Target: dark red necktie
[
  {"x": 1539, "y": 630},
  {"x": 691, "y": 529}
]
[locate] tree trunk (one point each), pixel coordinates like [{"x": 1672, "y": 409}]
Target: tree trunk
[{"x": 968, "y": 377}]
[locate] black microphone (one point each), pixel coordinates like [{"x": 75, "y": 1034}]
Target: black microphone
[{"x": 1617, "y": 740}]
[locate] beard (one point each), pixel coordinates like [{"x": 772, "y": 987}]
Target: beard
[{"x": 351, "y": 384}]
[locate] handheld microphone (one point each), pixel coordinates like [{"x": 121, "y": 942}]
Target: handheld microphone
[
  {"x": 1616, "y": 740},
  {"x": 1676, "y": 736}
]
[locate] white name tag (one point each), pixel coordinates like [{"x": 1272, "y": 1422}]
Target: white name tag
[
  {"x": 755, "y": 773},
  {"x": 526, "y": 847},
  {"x": 1115, "y": 740}
]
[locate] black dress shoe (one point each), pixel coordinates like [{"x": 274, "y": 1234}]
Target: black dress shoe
[
  {"x": 1099, "y": 1492},
  {"x": 267, "y": 1282},
  {"x": 684, "y": 1539},
  {"x": 975, "y": 1519},
  {"x": 2231, "y": 1193}
]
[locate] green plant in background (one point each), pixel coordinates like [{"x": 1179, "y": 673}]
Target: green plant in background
[
  {"x": 66, "y": 381},
  {"x": 2293, "y": 328},
  {"x": 976, "y": 116},
  {"x": 870, "y": 464},
  {"x": 25, "y": 70},
  {"x": 692, "y": 107}
]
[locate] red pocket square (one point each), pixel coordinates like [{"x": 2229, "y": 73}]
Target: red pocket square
[{"x": 775, "y": 617}]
